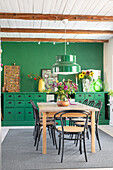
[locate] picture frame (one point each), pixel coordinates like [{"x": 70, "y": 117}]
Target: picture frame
[{"x": 49, "y": 78}]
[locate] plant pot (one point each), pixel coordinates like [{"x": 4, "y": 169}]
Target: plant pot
[{"x": 63, "y": 103}]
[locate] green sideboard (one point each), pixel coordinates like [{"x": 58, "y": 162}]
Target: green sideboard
[
  {"x": 17, "y": 109},
  {"x": 103, "y": 96}
]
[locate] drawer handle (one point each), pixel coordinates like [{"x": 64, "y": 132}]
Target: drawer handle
[
  {"x": 9, "y": 96},
  {"x": 19, "y": 102},
  {"x": 9, "y": 112},
  {"x": 19, "y": 112},
  {"x": 89, "y": 95},
  {"x": 80, "y": 95},
  {"x": 80, "y": 101},
  {"x": 39, "y": 95},
  {"x": 29, "y": 112},
  {"x": 29, "y": 102},
  {"x": 99, "y": 95},
  {"x": 29, "y": 96},
  {"x": 9, "y": 102},
  {"x": 19, "y": 96}
]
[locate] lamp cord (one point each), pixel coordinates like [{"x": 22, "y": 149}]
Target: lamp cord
[{"x": 65, "y": 39}]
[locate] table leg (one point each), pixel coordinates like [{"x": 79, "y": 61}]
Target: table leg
[
  {"x": 93, "y": 131},
  {"x": 44, "y": 133}
]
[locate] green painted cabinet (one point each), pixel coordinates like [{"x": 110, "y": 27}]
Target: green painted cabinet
[
  {"x": 103, "y": 97},
  {"x": 17, "y": 109}
]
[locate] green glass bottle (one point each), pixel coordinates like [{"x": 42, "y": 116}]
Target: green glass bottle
[
  {"x": 91, "y": 87},
  {"x": 98, "y": 85}
]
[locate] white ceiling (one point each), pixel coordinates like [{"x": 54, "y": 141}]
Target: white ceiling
[{"x": 71, "y": 7}]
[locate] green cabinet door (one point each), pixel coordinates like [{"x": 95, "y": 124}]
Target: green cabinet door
[
  {"x": 9, "y": 114},
  {"x": 19, "y": 114},
  {"x": 29, "y": 114}
]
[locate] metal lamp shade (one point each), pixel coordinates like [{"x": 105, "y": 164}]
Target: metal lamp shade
[{"x": 66, "y": 64}]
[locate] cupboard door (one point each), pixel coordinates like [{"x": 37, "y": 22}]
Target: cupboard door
[
  {"x": 29, "y": 114},
  {"x": 19, "y": 114},
  {"x": 9, "y": 114}
]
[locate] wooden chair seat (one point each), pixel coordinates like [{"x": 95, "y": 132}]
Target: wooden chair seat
[
  {"x": 77, "y": 119},
  {"x": 82, "y": 123},
  {"x": 49, "y": 123},
  {"x": 71, "y": 129}
]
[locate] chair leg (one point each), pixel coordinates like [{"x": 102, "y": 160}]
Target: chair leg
[
  {"x": 49, "y": 132},
  {"x": 97, "y": 136},
  {"x": 62, "y": 148},
  {"x": 36, "y": 135},
  {"x": 54, "y": 135},
  {"x": 84, "y": 148},
  {"x": 34, "y": 130},
  {"x": 80, "y": 147},
  {"x": 87, "y": 134},
  {"x": 39, "y": 134},
  {"x": 59, "y": 144}
]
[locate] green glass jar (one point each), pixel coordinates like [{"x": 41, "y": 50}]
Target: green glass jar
[
  {"x": 98, "y": 85},
  {"x": 91, "y": 87}
]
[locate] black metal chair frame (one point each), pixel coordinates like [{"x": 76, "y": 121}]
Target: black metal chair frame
[
  {"x": 81, "y": 135},
  {"x": 38, "y": 128},
  {"x": 97, "y": 113}
]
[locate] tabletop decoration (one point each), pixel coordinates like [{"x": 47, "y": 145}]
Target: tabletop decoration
[
  {"x": 86, "y": 77},
  {"x": 64, "y": 91}
]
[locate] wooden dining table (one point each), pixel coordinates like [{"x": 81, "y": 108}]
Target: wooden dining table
[{"x": 49, "y": 109}]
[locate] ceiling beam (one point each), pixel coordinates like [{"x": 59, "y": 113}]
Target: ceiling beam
[
  {"x": 57, "y": 31},
  {"x": 52, "y": 40},
  {"x": 57, "y": 17}
]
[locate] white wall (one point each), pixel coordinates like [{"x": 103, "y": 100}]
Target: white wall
[{"x": 108, "y": 72}]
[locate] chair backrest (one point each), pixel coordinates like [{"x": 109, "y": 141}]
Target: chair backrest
[
  {"x": 35, "y": 112},
  {"x": 72, "y": 113},
  {"x": 91, "y": 103},
  {"x": 99, "y": 106},
  {"x": 85, "y": 101}
]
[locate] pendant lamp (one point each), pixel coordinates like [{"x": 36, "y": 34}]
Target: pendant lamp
[{"x": 66, "y": 64}]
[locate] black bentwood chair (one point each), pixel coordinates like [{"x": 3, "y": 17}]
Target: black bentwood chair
[
  {"x": 97, "y": 113},
  {"x": 85, "y": 101},
  {"x": 72, "y": 130},
  {"x": 38, "y": 127}
]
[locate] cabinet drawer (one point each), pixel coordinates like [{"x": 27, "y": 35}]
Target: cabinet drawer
[
  {"x": 40, "y": 97},
  {"x": 29, "y": 114},
  {"x": 80, "y": 101},
  {"x": 89, "y": 96},
  {"x": 19, "y": 103},
  {"x": 19, "y": 114},
  {"x": 10, "y": 103},
  {"x": 19, "y": 97},
  {"x": 9, "y": 114},
  {"x": 99, "y": 96},
  {"x": 10, "y": 96},
  {"x": 28, "y": 104},
  {"x": 79, "y": 96},
  {"x": 29, "y": 96}
]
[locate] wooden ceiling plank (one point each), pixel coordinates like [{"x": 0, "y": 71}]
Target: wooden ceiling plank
[
  {"x": 58, "y": 17},
  {"x": 52, "y": 40},
  {"x": 60, "y": 31}
]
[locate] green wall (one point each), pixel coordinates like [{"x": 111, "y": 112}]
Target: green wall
[{"x": 33, "y": 57}]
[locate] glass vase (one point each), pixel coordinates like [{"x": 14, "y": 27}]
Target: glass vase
[{"x": 86, "y": 83}]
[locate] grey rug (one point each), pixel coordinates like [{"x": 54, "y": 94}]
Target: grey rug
[{"x": 18, "y": 153}]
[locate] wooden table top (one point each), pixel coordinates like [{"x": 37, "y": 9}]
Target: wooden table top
[{"x": 53, "y": 107}]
